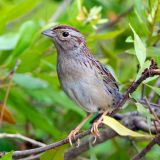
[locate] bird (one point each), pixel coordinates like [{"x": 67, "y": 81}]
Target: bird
[{"x": 82, "y": 77}]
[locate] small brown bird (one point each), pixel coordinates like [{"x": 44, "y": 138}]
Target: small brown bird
[{"x": 83, "y": 78}]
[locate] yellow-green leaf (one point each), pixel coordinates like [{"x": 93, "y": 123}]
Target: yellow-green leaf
[
  {"x": 7, "y": 156},
  {"x": 122, "y": 130},
  {"x": 139, "y": 47}
]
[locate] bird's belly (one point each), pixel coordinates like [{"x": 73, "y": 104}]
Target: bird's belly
[{"x": 87, "y": 93}]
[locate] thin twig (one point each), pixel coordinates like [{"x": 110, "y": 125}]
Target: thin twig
[
  {"x": 153, "y": 105},
  {"x": 32, "y": 157},
  {"x": 10, "y": 77},
  {"x": 154, "y": 141},
  {"x": 143, "y": 91},
  {"x": 156, "y": 128},
  {"x": 19, "y": 136},
  {"x": 48, "y": 147},
  {"x": 151, "y": 110},
  {"x": 134, "y": 145}
]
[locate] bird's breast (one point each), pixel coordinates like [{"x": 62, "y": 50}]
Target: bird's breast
[
  {"x": 83, "y": 84},
  {"x": 71, "y": 69}
]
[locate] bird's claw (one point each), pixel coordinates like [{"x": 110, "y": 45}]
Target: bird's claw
[
  {"x": 72, "y": 136},
  {"x": 95, "y": 131}
]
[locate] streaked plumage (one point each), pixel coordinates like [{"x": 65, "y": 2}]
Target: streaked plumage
[
  {"x": 87, "y": 82},
  {"x": 83, "y": 78}
]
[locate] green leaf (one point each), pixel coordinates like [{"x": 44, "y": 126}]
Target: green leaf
[
  {"x": 9, "y": 41},
  {"x": 54, "y": 154},
  {"x": 157, "y": 90},
  {"x": 7, "y": 156},
  {"x": 29, "y": 82},
  {"x": 139, "y": 47},
  {"x": 145, "y": 65},
  {"x": 150, "y": 79},
  {"x": 129, "y": 40},
  {"x": 94, "y": 14},
  {"x": 152, "y": 15},
  {"x": 12, "y": 11},
  {"x": 50, "y": 96},
  {"x": 142, "y": 110},
  {"x": 27, "y": 31},
  {"x": 122, "y": 130},
  {"x": 104, "y": 36},
  {"x": 18, "y": 99},
  {"x": 153, "y": 51}
]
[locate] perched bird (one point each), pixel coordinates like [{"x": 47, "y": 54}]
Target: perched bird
[{"x": 83, "y": 78}]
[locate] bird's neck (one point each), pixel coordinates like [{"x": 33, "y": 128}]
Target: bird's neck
[{"x": 82, "y": 50}]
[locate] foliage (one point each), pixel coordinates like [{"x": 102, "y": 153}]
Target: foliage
[
  {"x": 8, "y": 156},
  {"x": 41, "y": 109},
  {"x": 122, "y": 130}
]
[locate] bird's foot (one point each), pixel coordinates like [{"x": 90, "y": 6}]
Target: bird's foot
[
  {"x": 95, "y": 125},
  {"x": 94, "y": 129},
  {"x": 72, "y": 136}
]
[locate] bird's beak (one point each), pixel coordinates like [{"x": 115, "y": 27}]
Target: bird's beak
[{"x": 49, "y": 33}]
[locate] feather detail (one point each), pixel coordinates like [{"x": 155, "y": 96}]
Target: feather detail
[{"x": 107, "y": 76}]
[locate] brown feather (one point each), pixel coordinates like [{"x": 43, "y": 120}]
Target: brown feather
[{"x": 108, "y": 77}]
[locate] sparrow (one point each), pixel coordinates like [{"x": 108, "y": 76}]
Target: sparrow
[{"x": 82, "y": 77}]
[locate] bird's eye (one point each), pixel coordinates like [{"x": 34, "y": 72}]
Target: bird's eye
[{"x": 65, "y": 34}]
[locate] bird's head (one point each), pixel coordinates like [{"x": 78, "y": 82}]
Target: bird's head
[{"x": 65, "y": 37}]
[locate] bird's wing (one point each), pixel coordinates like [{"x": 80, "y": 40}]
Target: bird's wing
[
  {"x": 109, "y": 77},
  {"x": 106, "y": 74}
]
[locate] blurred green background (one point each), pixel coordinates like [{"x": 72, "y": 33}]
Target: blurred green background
[{"x": 41, "y": 109}]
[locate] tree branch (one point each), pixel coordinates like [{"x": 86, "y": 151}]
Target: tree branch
[
  {"x": 19, "y": 136},
  {"x": 131, "y": 120},
  {"x": 17, "y": 154},
  {"x": 152, "y": 71},
  {"x": 32, "y": 157},
  {"x": 84, "y": 146}
]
